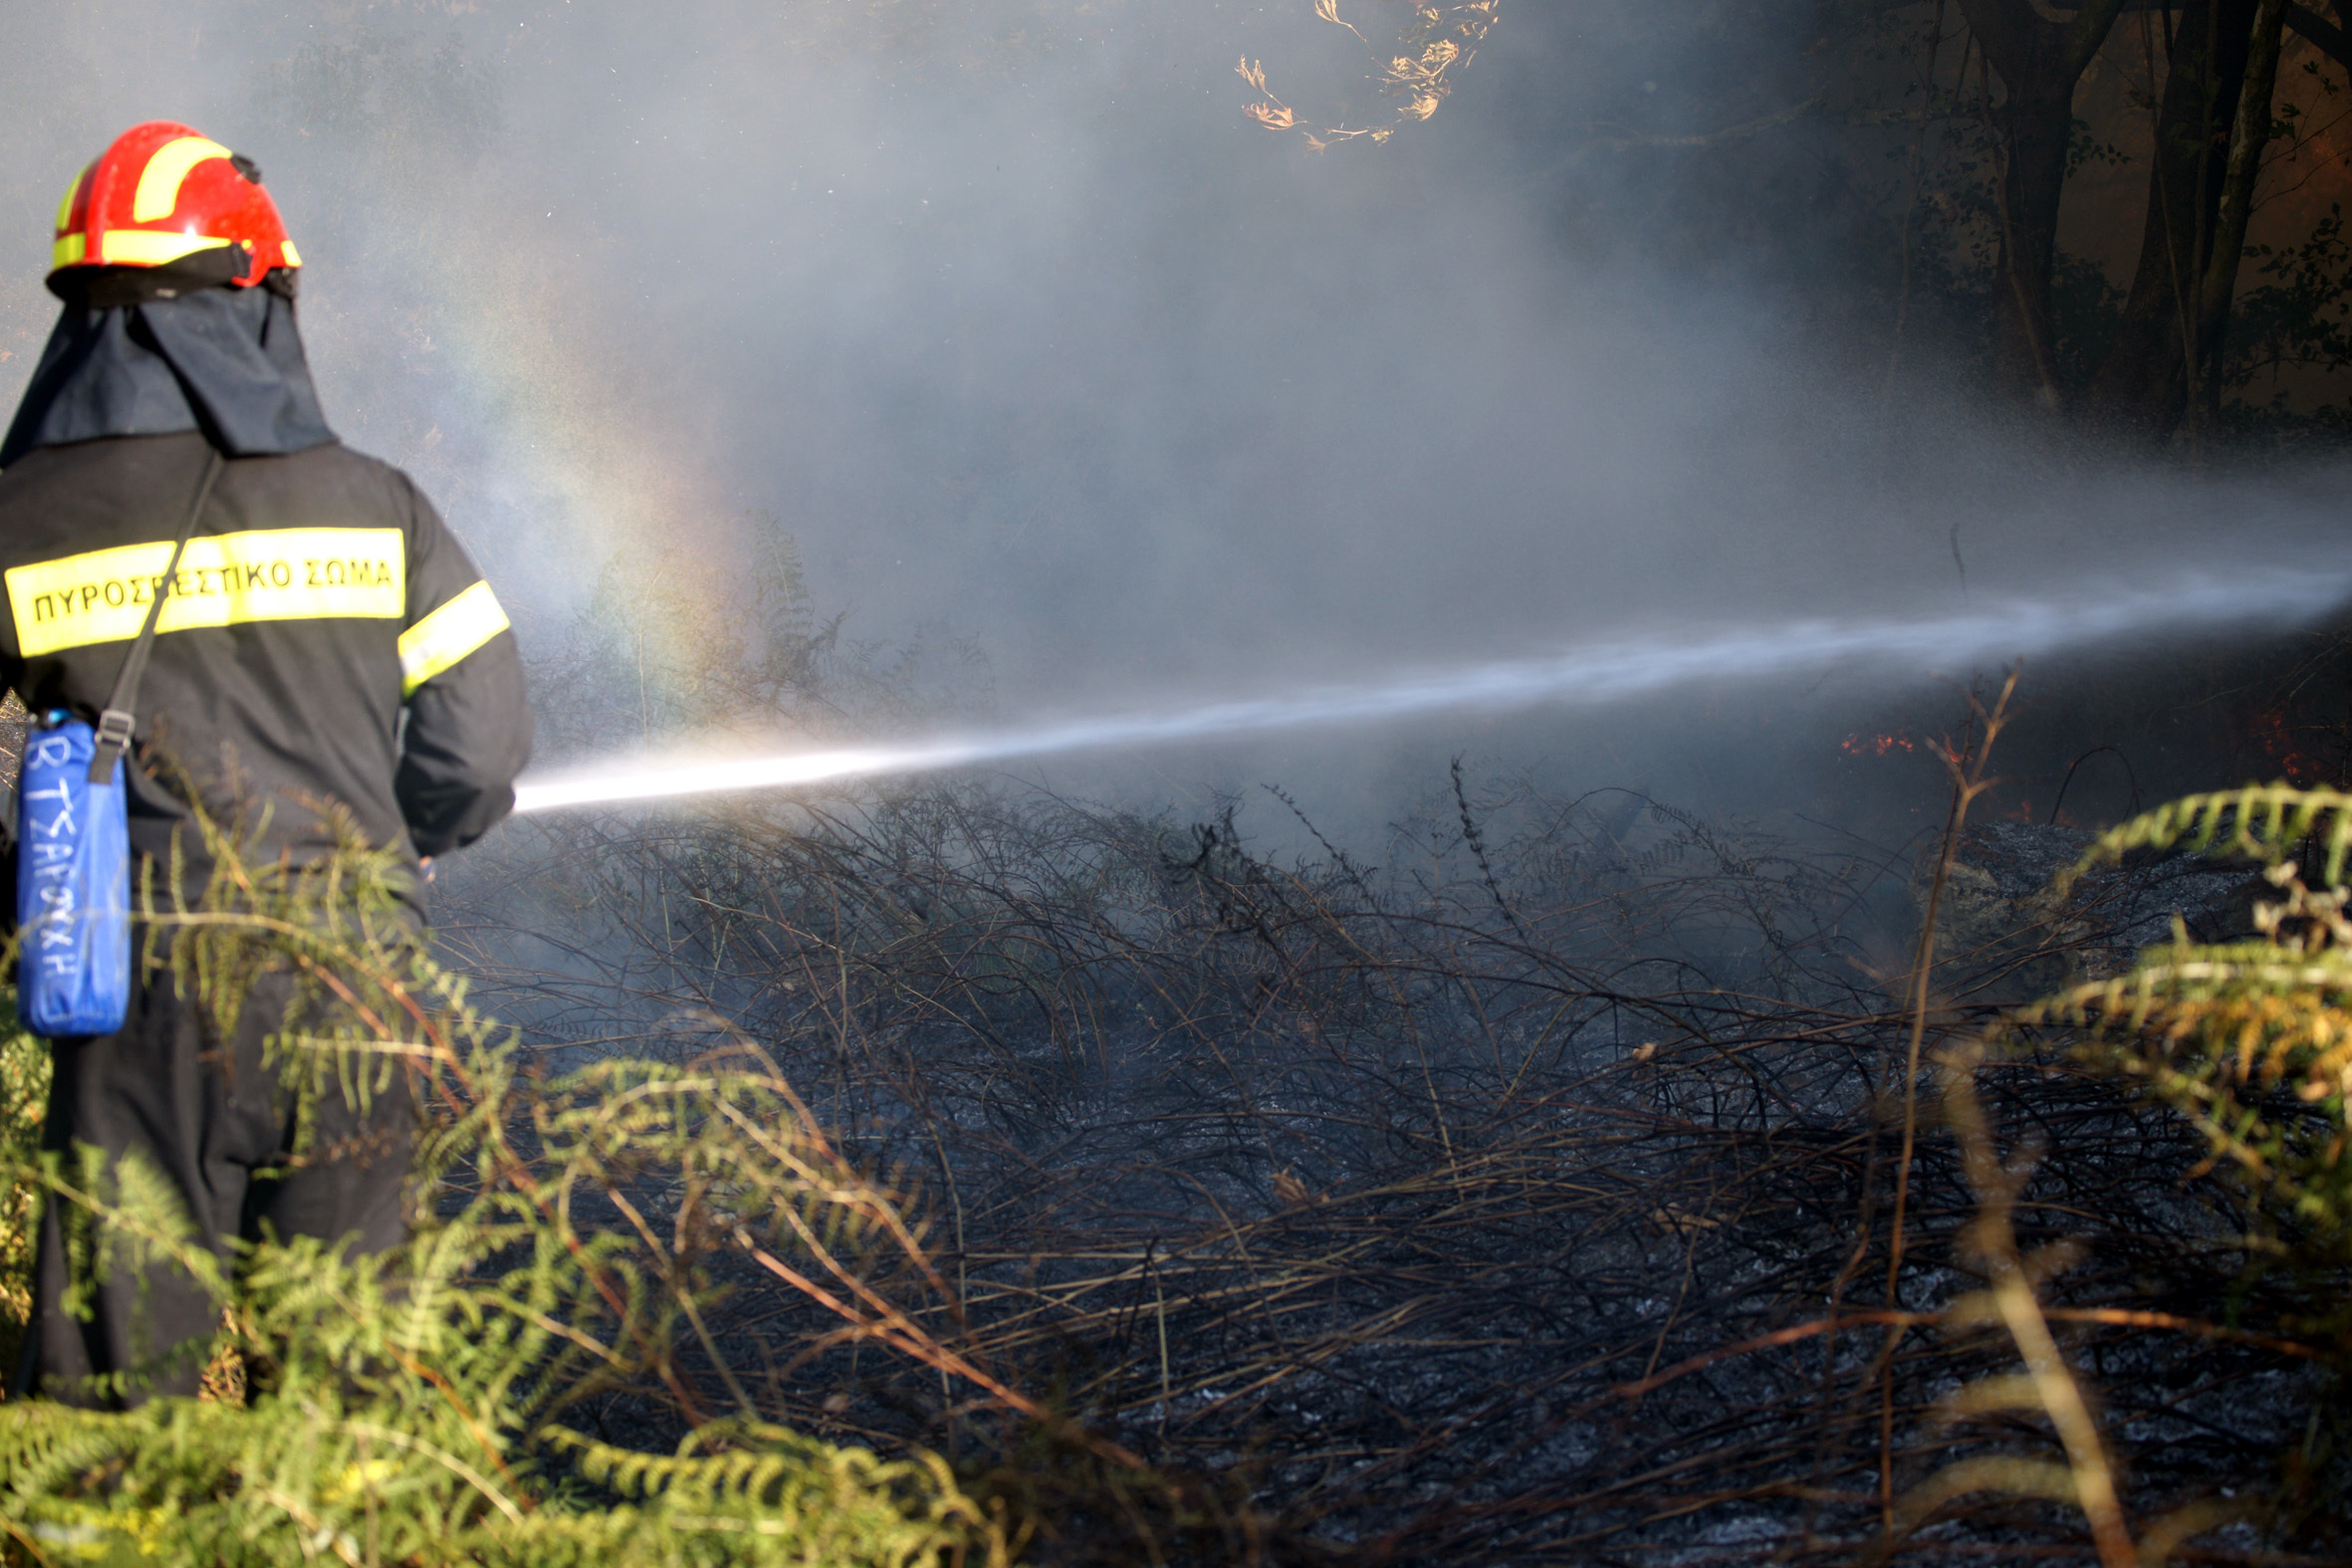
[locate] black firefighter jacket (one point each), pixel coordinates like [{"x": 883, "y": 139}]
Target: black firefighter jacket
[{"x": 321, "y": 603}]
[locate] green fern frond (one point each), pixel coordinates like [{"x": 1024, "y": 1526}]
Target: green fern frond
[
  {"x": 2249, "y": 1042},
  {"x": 410, "y": 1405},
  {"x": 24, "y": 1094},
  {"x": 2260, "y": 821}
]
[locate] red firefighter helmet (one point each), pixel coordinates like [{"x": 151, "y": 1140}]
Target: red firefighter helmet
[{"x": 163, "y": 193}]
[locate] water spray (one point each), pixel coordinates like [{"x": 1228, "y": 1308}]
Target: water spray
[{"x": 1587, "y": 676}]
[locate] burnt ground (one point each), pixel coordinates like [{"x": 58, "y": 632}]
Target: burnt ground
[{"x": 1531, "y": 1198}]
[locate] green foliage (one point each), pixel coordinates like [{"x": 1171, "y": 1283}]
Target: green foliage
[
  {"x": 24, "y": 1091},
  {"x": 2250, "y": 1041},
  {"x": 2301, "y": 317},
  {"x": 2250, "y": 1044},
  {"x": 2261, "y": 822},
  {"x": 416, "y": 1407},
  {"x": 184, "y": 1480}
]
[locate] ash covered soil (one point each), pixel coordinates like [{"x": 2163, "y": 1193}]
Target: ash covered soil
[{"x": 1530, "y": 1199}]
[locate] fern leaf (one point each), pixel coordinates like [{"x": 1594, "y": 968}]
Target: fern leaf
[{"x": 2260, "y": 821}]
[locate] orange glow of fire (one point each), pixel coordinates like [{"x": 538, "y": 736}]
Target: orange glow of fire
[
  {"x": 1860, "y": 745},
  {"x": 2281, "y": 747}
]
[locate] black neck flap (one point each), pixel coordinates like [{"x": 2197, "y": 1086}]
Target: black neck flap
[{"x": 155, "y": 350}]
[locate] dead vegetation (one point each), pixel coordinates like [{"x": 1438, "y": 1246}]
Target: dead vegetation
[
  {"x": 1424, "y": 54},
  {"x": 1572, "y": 1187}
]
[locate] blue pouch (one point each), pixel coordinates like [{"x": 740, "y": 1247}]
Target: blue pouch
[
  {"x": 72, "y": 841},
  {"x": 73, "y": 885}
]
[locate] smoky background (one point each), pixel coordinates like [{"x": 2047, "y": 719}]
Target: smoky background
[{"x": 1068, "y": 384}]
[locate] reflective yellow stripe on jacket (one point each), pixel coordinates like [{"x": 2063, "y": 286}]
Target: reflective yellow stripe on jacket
[
  {"x": 293, "y": 573},
  {"x": 448, "y": 634}
]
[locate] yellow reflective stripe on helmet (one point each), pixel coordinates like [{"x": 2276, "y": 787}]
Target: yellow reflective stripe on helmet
[
  {"x": 224, "y": 580},
  {"x": 150, "y": 247},
  {"x": 166, "y": 170},
  {"x": 65, "y": 208},
  {"x": 287, "y": 249},
  {"x": 448, "y": 634},
  {"x": 70, "y": 248}
]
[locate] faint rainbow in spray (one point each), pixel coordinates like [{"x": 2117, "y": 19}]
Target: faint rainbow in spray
[
  {"x": 551, "y": 446},
  {"x": 1588, "y": 676}
]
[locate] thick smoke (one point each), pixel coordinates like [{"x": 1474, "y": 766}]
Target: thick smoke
[{"x": 1034, "y": 345}]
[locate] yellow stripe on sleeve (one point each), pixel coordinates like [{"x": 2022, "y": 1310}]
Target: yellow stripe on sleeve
[{"x": 446, "y": 637}]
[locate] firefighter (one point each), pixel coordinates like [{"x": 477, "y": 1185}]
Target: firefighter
[{"x": 325, "y": 640}]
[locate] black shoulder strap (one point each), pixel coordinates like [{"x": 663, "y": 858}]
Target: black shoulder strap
[{"x": 114, "y": 724}]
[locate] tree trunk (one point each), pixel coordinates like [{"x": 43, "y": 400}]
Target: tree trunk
[
  {"x": 2249, "y": 132},
  {"x": 2142, "y": 388},
  {"x": 2036, "y": 125},
  {"x": 2040, "y": 62},
  {"x": 2332, "y": 39}
]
